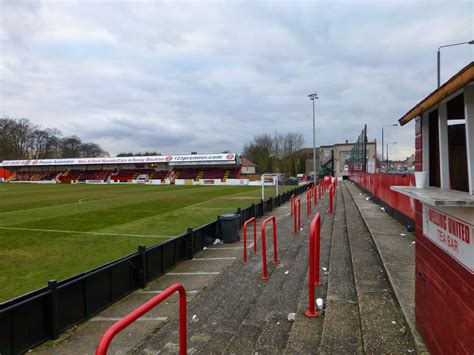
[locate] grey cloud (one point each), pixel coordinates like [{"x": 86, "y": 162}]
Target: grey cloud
[{"x": 186, "y": 76}]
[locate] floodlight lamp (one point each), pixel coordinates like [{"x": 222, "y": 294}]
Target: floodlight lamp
[{"x": 313, "y": 96}]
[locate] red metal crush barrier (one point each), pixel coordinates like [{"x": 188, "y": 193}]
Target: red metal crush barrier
[
  {"x": 308, "y": 201},
  {"x": 264, "y": 245},
  {"x": 254, "y": 220},
  {"x": 296, "y": 215},
  {"x": 379, "y": 186},
  {"x": 140, "y": 311},
  {"x": 314, "y": 238}
]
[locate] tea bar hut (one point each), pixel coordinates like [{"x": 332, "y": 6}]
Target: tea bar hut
[{"x": 444, "y": 204}]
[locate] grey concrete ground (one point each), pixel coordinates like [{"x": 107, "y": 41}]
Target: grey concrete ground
[
  {"x": 396, "y": 248},
  {"x": 232, "y": 310}
]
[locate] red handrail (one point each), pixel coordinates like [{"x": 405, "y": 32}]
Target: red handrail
[
  {"x": 264, "y": 245},
  {"x": 314, "y": 236},
  {"x": 297, "y": 215},
  {"x": 140, "y": 311},
  {"x": 331, "y": 202},
  {"x": 254, "y": 220}
]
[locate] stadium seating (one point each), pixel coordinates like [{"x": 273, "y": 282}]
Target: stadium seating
[
  {"x": 186, "y": 173},
  {"x": 35, "y": 175},
  {"x": 21, "y": 176},
  {"x": 125, "y": 175},
  {"x": 162, "y": 174},
  {"x": 207, "y": 173},
  {"x": 70, "y": 175},
  {"x": 99, "y": 175},
  {"x": 133, "y": 174}
]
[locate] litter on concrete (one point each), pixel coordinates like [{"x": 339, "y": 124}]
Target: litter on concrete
[
  {"x": 195, "y": 318},
  {"x": 383, "y": 209},
  {"x": 413, "y": 242},
  {"x": 403, "y": 234},
  {"x": 287, "y": 272},
  {"x": 218, "y": 241},
  {"x": 291, "y": 317},
  {"x": 320, "y": 303}
]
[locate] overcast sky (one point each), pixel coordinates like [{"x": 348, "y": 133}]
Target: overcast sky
[{"x": 206, "y": 76}]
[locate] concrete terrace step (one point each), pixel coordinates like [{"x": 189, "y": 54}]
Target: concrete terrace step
[
  {"x": 235, "y": 311},
  {"x": 306, "y": 332},
  {"x": 383, "y": 326},
  {"x": 396, "y": 249},
  {"x": 286, "y": 291},
  {"x": 341, "y": 331}
]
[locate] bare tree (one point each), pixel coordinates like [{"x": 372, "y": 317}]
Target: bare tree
[
  {"x": 20, "y": 139},
  {"x": 276, "y": 153}
]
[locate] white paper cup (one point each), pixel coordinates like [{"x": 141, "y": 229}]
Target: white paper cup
[{"x": 421, "y": 179}]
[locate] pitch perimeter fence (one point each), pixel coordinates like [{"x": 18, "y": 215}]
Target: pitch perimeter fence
[{"x": 41, "y": 315}]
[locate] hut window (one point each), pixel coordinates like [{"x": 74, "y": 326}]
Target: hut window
[
  {"x": 458, "y": 172},
  {"x": 434, "y": 175}
]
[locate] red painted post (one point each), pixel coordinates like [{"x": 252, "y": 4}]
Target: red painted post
[
  {"x": 254, "y": 220},
  {"x": 313, "y": 232},
  {"x": 297, "y": 215},
  {"x": 308, "y": 201},
  {"x": 264, "y": 245},
  {"x": 331, "y": 202},
  {"x": 140, "y": 311},
  {"x": 315, "y": 195},
  {"x": 294, "y": 216}
]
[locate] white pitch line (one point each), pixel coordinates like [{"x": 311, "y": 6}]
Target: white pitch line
[
  {"x": 91, "y": 233},
  {"x": 160, "y": 291},
  {"x": 225, "y": 248},
  {"x": 192, "y": 273},
  {"x": 228, "y": 258},
  {"x": 114, "y": 319}
]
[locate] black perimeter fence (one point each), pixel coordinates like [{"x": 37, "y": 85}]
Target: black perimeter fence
[{"x": 31, "y": 319}]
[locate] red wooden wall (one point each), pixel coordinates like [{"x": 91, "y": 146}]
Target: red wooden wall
[{"x": 444, "y": 290}]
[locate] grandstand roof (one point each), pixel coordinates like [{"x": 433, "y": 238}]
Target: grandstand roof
[{"x": 193, "y": 159}]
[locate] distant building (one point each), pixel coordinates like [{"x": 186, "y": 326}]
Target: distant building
[
  {"x": 306, "y": 155},
  {"x": 334, "y": 159},
  {"x": 248, "y": 167}
]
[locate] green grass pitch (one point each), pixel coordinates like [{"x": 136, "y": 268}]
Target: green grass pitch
[{"x": 57, "y": 231}]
